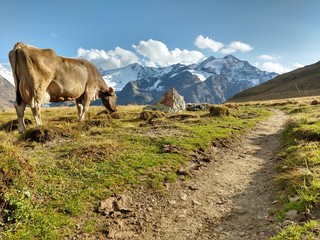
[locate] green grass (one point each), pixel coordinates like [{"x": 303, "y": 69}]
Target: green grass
[
  {"x": 299, "y": 172},
  {"x": 54, "y": 177},
  {"x": 307, "y": 231}
]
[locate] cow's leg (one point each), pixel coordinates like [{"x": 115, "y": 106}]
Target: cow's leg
[
  {"x": 79, "y": 107},
  {"x": 86, "y": 103},
  {"x": 20, "y": 114},
  {"x": 36, "y": 113},
  {"x": 40, "y": 95},
  {"x": 35, "y": 108}
]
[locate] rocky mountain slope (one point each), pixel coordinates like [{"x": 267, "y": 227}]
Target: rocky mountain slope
[
  {"x": 214, "y": 80},
  {"x": 301, "y": 82},
  {"x": 7, "y": 95}
]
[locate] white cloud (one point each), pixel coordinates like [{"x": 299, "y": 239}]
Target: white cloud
[
  {"x": 116, "y": 58},
  {"x": 240, "y": 46},
  {"x": 274, "y": 67},
  {"x": 271, "y": 64},
  {"x": 227, "y": 50},
  {"x": 298, "y": 65},
  {"x": 207, "y": 43},
  {"x": 157, "y": 54},
  {"x": 267, "y": 57},
  {"x": 236, "y": 46}
]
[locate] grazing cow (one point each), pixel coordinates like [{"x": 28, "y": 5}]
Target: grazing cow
[{"x": 41, "y": 76}]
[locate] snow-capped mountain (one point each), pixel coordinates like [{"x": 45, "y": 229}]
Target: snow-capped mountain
[
  {"x": 214, "y": 80},
  {"x": 118, "y": 78},
  {"x": 6, "y": 74}
]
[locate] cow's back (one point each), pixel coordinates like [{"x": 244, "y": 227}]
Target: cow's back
[{"x": 33, "y": 70}]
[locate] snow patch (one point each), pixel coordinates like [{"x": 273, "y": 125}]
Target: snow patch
[
  {"x": 200, "y": 74},
  {"x": 173, "y": 75},
  {"x": 118, "y": 78},
  {"x": 156, "y": 86},
  {"x": 163, "y": 71}
]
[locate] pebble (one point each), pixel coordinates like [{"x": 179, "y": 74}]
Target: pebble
[
  {"x": 194, "y": 202},
  {"x": 292, "y": 215},
  {"x": 183, "y": 196},
  {"x": 193, "y": 187},
  {"x": 294, "y": 199}
]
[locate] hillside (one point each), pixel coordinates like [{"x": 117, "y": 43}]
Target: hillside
[
  {"x": 7, "y": 95},
  {"x": 301, "y": 82}
]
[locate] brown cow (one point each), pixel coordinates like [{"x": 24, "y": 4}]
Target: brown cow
[{"x": 41, "y": 76}]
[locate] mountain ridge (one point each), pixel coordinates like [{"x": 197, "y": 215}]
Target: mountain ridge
[
  {"x": 301, "y": 82},
  {"x": 214, "y": 80}
]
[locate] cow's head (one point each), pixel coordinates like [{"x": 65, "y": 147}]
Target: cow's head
[{"x": 109, "y": 99}]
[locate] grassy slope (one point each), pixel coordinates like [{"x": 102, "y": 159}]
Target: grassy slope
[
  {"x": 299, "y": 173},
  {"x": 54, "y": 177},
  {"x": 301, "y": 82}
]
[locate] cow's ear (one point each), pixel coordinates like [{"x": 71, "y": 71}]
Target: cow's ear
[{"x": 111, "y": 91}]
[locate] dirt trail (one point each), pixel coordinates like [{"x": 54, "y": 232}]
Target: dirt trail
[{"x": 231, "y": 198}]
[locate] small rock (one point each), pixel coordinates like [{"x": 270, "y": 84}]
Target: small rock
[
  {"x": 194, "y": 202},
  {"x": 287, "y": 223},
  {"x": 119, "y": 203},
  {"x": 183, "y": 196},
  {"x": 173, "y": 202},
  {"x": 292, "y": 215},
  {"x": 193, "y": 188},
  {"x": 221, "y": 201},
  {"x": 196, "y": 106},
  {"x": 107, "y": 206},
  {"x": 242, "y": 234},
  {"x": 27, "y": 194},
  {"x": 123, "y": 204},
  {"x": 183, "y": 172},
  {"x": 294, "y": 199}
]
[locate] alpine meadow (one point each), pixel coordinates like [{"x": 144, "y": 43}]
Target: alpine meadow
[{"x": 160, "y": 120}]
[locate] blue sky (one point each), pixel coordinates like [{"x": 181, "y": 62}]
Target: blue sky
[{"x": 274, "y": 35}]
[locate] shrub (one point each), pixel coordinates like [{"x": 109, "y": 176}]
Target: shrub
[
  {"x": 219, "y": 111},
  {"x": 147, "y": 115},
  {"x": 315, "y": 102}
]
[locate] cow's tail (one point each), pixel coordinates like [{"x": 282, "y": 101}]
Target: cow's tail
[{"x": 13, "y": 57}]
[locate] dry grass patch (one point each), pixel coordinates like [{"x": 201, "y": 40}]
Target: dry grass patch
[
  {"x": 219, "y": 111},
  {"x": 44, "y": 134}
]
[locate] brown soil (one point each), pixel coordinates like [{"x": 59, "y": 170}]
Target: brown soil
[{"x": 232, "y": 197}]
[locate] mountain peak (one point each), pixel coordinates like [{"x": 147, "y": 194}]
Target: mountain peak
[
  {"x": 211, "y": 58},
  {"x": 229, "y": 56}
]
